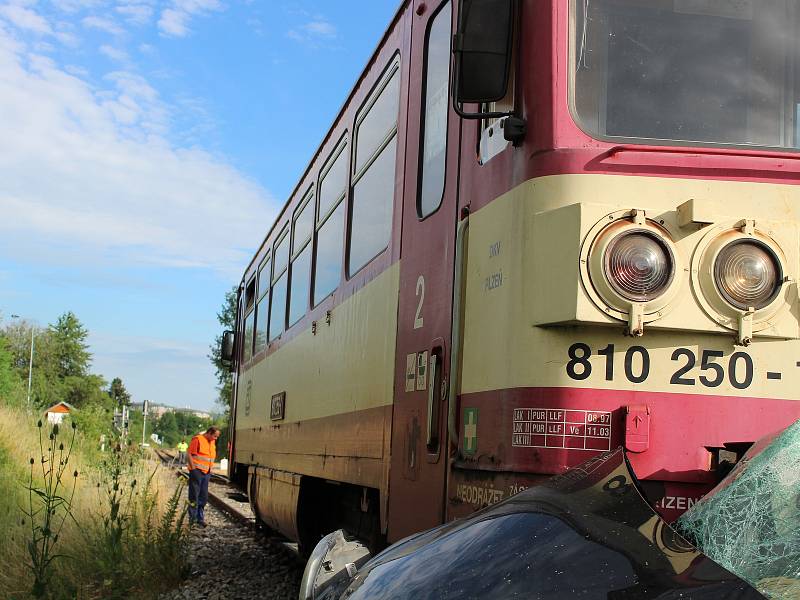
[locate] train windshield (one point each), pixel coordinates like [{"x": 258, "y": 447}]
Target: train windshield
[{"x": 710, "y": 72}]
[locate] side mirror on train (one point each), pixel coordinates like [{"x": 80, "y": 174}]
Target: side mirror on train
[
  {"x": 333, "y": 562},
  {"x": 226, "y": 348},
  {"x": 482, "y": 48}
]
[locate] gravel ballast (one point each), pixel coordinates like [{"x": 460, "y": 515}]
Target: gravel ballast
[{"x": 233, "y": 561}]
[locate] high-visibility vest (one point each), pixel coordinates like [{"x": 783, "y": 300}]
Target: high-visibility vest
[
  {"x": 203, "y": 453},
  {"x": 182, "y": 446}
]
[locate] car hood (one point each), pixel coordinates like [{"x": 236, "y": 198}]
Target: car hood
[{"x": 588, "y": 533}]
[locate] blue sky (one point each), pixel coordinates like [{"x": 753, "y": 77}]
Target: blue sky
[{"x": 145, "y": 147}]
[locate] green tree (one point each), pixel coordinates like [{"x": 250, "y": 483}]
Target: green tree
[
  {"x": 135, "y": 425},
  {"x": 46, "y": 383},
  {"x": 9, "y": 379},
  {"x": 118, "y": 393},
  {"x": 71, "y": 350},
  {"x": 189, "y": 424},
  {"x": 167, "y": 429},
  {"x": 227, "y": 319},
  {"x": 85, "y": 391},
  {"x": 61, "y": 362}
]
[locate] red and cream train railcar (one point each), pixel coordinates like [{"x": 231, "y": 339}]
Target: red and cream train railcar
[{"x": 570, "y": 226}]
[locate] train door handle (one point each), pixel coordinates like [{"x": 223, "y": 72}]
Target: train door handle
[{"x": 432, "y": 438}]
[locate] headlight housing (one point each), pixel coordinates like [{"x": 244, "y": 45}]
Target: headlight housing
[
  {"x": 630, "y": 267},
  {"x": 739, "y": 270},
  {"x": 748, "y": 274}
]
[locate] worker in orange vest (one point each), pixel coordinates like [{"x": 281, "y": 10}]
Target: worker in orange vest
[{"x": 202, "y": 452}]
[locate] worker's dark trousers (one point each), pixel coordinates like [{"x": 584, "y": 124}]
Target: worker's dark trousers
[{"x": 198, "y": 495}]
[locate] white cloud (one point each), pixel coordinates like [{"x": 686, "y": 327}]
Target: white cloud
[
  {"x": 256, "y": 25},
  {"x": 25, "y": 18},
  {"x": 313, "y": 32},
  {"x": 103, "y": 24},
  {"x": 71, "y": 6},
  {"x": 77, "y": 70},
  {"x": 114, "y": 53},
  {"x": 93, "y": 170},
  {"x": 174, "y": 21},
  {"x": 321, "y": 28},
  {"x": 138, "y": 14},
  {"x": 68, "y": 39}
]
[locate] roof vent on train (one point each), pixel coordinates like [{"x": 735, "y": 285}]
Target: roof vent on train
[{"x": 631, "y": 264}]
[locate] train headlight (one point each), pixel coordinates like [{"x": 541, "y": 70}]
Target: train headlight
[
  {"x": 748, "y": 274},
  {"x": 639, "y": 265},
  {"x": 630, "y": 266},
  {"x": 738, "y": 269}
]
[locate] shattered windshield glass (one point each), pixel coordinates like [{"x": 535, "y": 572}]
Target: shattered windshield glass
[{"x": 750, "y": 523}]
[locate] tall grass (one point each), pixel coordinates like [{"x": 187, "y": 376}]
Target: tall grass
[{"x": 126, "y": 537}]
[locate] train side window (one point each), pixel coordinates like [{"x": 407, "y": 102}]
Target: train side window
[
  {"x": 433, "y": 154},
  {"x": 249, "y": 320},
  {"x": 377, "y": 120},
  {"x": 374, "y": 171},
  {"x": 330, "y": 225},
  {"x": 262, "y": 307},
  {"x": 303, "y": 223},
  {"x": 333, "y": 181},
  {"x": 280, "y": 261},
  {"x": 281, "y": 254},
  {"x": 301, "y": 260}
]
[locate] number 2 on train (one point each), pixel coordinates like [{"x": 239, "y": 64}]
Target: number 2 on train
[{"x": 418, "y": 320}]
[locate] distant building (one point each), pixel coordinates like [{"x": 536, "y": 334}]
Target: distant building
[
  {"x": 197, "y": 413},
  {"x": 158, "y": 410},
  {"x": 56, "y": 413}
]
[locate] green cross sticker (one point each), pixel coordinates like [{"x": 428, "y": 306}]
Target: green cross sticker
[{"x": 470, "y": 430}]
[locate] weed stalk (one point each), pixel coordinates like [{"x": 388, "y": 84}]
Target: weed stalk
[{"x": 49, "y": 505}]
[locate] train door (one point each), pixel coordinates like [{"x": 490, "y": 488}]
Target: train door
[
  {"x": 419, "y": 428},
  {"x": 238, "y": 327}
]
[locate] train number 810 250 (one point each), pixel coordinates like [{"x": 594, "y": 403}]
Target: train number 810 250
[{"x": 738, "y": 370}]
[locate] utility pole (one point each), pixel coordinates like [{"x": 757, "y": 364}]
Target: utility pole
[
  {"x": 30, "y": 371},
  {"x": 144, "y": 420}
]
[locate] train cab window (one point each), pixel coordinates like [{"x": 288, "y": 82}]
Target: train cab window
[
  {"x": 262, "y": 307},
  {"x": 688, "y": 72},
  {"x": 280, "y": 262},
  {"x": 374, "y": 171},
  {"x": 330, "y": 225},
  {"x": 434, "y": 119},
  {"x": 301, "y": 260},
  {"x": 249, "y": 320}
]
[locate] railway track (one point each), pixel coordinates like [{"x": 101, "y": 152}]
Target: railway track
[{"x": 232, "y": 558}]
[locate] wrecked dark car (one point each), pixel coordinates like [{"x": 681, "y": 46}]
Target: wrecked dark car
[{"x": 588, "y": 534}]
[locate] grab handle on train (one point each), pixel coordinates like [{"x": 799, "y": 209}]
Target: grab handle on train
[{"x": 432, "y": 439}]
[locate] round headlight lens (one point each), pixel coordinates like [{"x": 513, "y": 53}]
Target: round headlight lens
[
  {"x": 748, "y": 274},
  {"x": 639, "y": 265}
]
